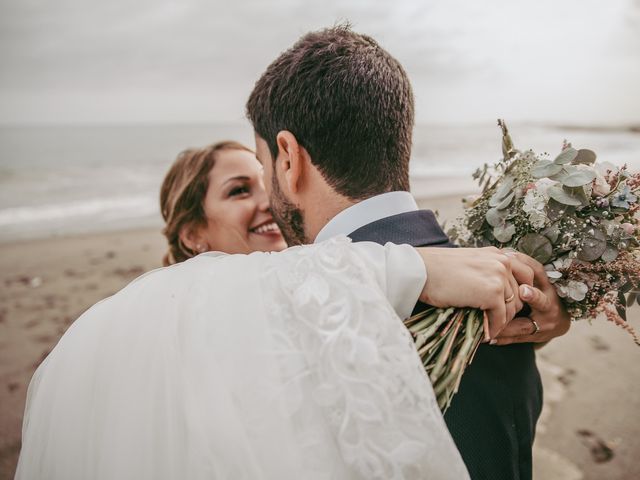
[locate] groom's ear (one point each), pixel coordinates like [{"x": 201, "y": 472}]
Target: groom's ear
[{"x": 292, "y": 158}]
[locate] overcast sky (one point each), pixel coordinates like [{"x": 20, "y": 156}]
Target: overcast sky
[{"x": 188, "y": 61}]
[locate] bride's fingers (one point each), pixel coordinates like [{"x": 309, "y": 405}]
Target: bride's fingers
[
  {"x": 497, "y": 317},
  {"x": 511, "y": 294},
  {"x": 515, "y": 304},
  {"x": 485, "y": 326},
  {"x": 500, "y": 311},
  {"x": 522, "y": 270}
]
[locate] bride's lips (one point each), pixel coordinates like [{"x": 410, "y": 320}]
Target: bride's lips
[{"x": 269, "y": 228}]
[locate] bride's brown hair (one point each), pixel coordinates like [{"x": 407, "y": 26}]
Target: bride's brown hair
[{"x": 182, "y": 195}]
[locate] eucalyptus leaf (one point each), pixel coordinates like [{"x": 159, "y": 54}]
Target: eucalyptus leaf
[
  {"x": 504, "y": 233},
  {"x": 507, "y": 146},
  {"x": 579, "y": 193},
  {"x": 552, "y": 232},
  {"x": 505, "y": 189},
  {"x": 536, "y": 246},
  {"x": 566, "y": 156},
  {"x": 556, "y": 210},
  {"x": 609, "y": 254},
  {"x": 631, "y": 298},
  {"x": 545, "y": 168},
  {"x": 560, "y": 195},
  {"x": 495, "y": 217},
  {"x": 561, "y": 175},
  {"x": 585, "y": 157},
  {"x": 593, "y": 245},
  {"x": 506, "y": 202},
  {"x": 494, "y": 201},
  {"x": 579, "y": 178}
]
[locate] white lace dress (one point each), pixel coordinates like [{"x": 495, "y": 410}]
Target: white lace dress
[{"x": 268, "y": 366}]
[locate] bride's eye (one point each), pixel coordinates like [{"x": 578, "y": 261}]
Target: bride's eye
[{"x": 239, "y": 190}]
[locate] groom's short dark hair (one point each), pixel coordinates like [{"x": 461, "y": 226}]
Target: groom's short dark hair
[{"x": 348, "y": 102}]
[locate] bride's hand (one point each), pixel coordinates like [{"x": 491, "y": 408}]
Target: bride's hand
[
  {"x": 547, "y": 317},
  {"x": 472, "y": 277}
]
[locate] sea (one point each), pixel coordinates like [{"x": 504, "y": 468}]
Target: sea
[{"x": 63, "y": 180}]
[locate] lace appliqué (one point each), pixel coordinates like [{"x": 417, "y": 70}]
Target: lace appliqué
[{"x": 342, "y": 350}]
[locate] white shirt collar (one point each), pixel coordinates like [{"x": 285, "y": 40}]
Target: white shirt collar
[{"x": 367, "y": 211}]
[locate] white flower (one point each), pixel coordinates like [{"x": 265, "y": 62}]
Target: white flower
[
  {"x": 533, "y": 201},
  {"x": 543, "y": 185},
  {"x": 610, "y": 227},
  {"x": 603, "y": 167},
  {"x": 552, "y": 274},
  {"x": 575, "y": 290},
  {"x": 534, "y": 204},
  {"x": 537, "y": 220},
  {"x": 562, "y": 263}
]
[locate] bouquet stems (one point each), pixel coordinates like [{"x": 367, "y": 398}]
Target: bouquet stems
[{"x": 447, "y": 340}]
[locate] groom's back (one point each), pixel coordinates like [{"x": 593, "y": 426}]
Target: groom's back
[
  {"x": 492, "y": 418},
  {"x": 349, "y": 105}
]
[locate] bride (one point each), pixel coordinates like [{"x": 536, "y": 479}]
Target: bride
[{"x": 269, "y": 365}]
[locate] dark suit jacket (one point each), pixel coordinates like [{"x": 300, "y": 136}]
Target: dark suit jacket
[{"x": 493, "y": 416}]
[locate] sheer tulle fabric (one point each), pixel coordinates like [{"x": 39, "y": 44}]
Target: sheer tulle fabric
[{"x": 268, "y": 366}]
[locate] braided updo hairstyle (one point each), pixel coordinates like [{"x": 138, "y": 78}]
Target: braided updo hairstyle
[{"x": 183, "y": 192}]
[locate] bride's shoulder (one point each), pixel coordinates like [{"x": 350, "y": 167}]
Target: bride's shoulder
[{"x": 201, "y": 261}]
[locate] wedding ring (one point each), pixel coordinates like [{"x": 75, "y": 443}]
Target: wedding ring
[
  {"x": 535, "y": 326},
  {"x": 510, "y": 299}
]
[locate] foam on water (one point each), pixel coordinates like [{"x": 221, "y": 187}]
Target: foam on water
[
  {"x": 106, "y": 209},
  {"x": 61, "y": 180}
]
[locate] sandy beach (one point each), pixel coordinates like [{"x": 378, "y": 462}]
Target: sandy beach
[{"x": 589, "y": 428}]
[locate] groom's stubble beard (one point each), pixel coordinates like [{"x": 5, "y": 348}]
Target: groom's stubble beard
[{"x": 289, "y": 218}]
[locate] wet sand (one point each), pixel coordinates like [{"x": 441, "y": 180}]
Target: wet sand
[
  {"x": 589, "y": 428},
  {"x": 46, "y": 285}
]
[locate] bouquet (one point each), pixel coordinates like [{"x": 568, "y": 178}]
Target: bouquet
[{"x": 576, "y": 217}]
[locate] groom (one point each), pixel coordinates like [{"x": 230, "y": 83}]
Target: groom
[{"x": 333, "y": 118}]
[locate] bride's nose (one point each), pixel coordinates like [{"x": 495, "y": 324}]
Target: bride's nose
[{"x": 262, "y": 200}]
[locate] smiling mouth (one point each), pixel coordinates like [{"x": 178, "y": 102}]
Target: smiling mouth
[{"x": 266, "y": 228}]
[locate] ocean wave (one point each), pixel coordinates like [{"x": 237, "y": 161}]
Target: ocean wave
[
  {"x": 420, "y": 169},
  {"x": 98, "y": 209}
]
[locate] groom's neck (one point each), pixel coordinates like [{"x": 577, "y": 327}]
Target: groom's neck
[{"x": 320, "y": 212}]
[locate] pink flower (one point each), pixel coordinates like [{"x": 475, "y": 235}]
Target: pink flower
[
  {"x": 628, "y": 228},
  {"x": 600, "y": 186}
]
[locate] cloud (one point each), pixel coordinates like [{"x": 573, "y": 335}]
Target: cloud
[{"x": 164, "y": 61}]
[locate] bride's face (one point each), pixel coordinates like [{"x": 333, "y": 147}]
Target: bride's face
[{"x": 237, "y": 207}]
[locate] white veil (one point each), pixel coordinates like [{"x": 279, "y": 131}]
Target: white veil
[{"x": 267, "y": 366}]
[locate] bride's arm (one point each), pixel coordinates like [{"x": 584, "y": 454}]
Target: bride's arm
[
  {"x": 442, "y": 277},
  {"x": 471, "y": 277}
]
